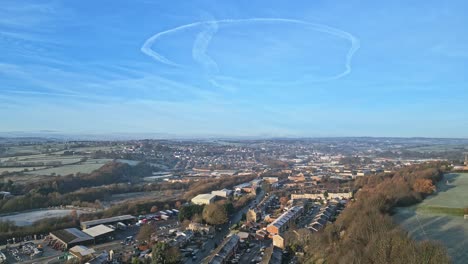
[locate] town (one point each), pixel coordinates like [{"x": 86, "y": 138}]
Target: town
[{"x": 209, "y": 201}]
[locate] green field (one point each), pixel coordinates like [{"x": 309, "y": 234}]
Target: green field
[
  {"x": 440, "y": 216},
  {"x": 45, "y": 158},
  {"x": 85, "y": 167},
  {"x": 439, "y": 210},
  {"x": 32, "y": 149},
  {"x": 19, "y": 169},
  {"x": 452, "y": 192},
  {"x": 69, "y": 164}
]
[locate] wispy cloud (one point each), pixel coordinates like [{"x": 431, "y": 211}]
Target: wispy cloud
[
  {"x": 27, "y": 14},
  {"x": 97, "y": 83}
]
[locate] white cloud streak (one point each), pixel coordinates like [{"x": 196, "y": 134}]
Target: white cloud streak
[
  {"x": 203, "y": 39},
  {"x": 201, "y": 45}
]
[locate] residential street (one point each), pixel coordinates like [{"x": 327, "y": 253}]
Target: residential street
[{"x": 220, "y": 235}]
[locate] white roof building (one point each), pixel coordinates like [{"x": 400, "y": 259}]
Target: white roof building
[
  {"x": 98, "y": 231},
  {"x": 81, "y": 251},
  {"x": 222, "y": 193},
  {"x": 206, "y": 198}
]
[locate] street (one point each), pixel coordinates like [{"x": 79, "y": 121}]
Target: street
[{"x": 220, "y": 235}]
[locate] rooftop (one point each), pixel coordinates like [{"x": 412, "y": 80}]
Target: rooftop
[
  {"x": 108, "y": 220},
  {"x": 98, "y": 230},
  {"x": 71, "y": 235},
  {"x": 226, "y": 248},
  {"x": 204, "y": 196},
  {"x": 82, "y": 250},
  {"x": 285, "y": 217}
]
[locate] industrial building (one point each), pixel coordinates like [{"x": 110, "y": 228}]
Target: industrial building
[
  {"x": 70, "y": 237},
  {"x": 126, "y": 219},
  {"x": 81, "y": 253},
  {"x": 100, "y": 233},
  {"x": 223, "y": 193},
  {"x": 206, "y": 198}
]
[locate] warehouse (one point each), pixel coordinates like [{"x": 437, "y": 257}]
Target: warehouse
[
  {"x": 100, "y": 233},
  {"x": 206, "y": 198},
  {"x": 67, "y": 238},
  {"x": 81, "y": 253},
  {"x": 126, "y": 219}
]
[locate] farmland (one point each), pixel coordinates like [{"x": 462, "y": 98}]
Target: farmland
[
  {"x": 440, "y": 217},
  {"x": 82, "y": 167},
  {"x": 28, "y": 218},
  {"x": 24, "y": 168}
]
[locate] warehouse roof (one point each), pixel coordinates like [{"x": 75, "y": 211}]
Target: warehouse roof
[
  {"x": 98, "y": 230},
  {"x": 107, "y": 220},
  {"x": 82, "y": 250},
  {"x": 207, "y": 196},
  {"x": 71, "y": 235},
  {"x": 203, "y": 198}
]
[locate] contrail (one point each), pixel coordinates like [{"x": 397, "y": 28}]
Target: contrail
[
  {"x": 201, "y": 45},
  {"x": 203, "y": 40}
]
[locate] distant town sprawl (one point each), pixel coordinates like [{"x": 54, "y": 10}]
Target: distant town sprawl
[{"x": 190, "y": 201}]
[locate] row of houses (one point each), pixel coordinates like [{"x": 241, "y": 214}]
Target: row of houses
[
  {"x": 284, "y": 221},
  {"x": 227, "y": 249},
  {"x": 322, "y": 196},
  {"x": 323, "y": 217},
  {"x": 278, "y": 227}
]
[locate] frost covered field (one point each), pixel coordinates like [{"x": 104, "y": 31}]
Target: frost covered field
[{"x": 440, "y": 217}]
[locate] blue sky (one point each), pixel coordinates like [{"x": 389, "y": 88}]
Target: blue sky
[{"x": 235, "y": 68}]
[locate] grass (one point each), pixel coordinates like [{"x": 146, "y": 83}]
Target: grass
[
  {"x": 46, "y": 158},
  {"x": 440, "y": 216},
  {"x": 19, "y": 169},
  {"x": 86, "y": 167},
  {"x": 439, "y": 210}
]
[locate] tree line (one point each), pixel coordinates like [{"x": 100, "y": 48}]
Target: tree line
[
  {"x": 64, "y": 190},
  {"x": 365, "y": 232}
]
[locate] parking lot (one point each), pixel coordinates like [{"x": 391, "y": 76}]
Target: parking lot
[{"x": 28, "y": 251}]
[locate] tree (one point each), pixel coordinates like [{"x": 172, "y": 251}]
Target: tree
[
  {"x": 197, "y": 218},
  {"x": 145, "y": 233},
  {"x": 424, "y": 186},
  {"x": 215, "y": 214},
  {"x": 154, "y": 209},
  {"x": 178, "y": 204},
  {"x": 283, "y": 201},
  {"x": 188, "y": 211},
  {"x": 164, "y": 254}
]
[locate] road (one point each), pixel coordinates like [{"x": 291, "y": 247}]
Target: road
[{"x": 220, "y": 235}]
